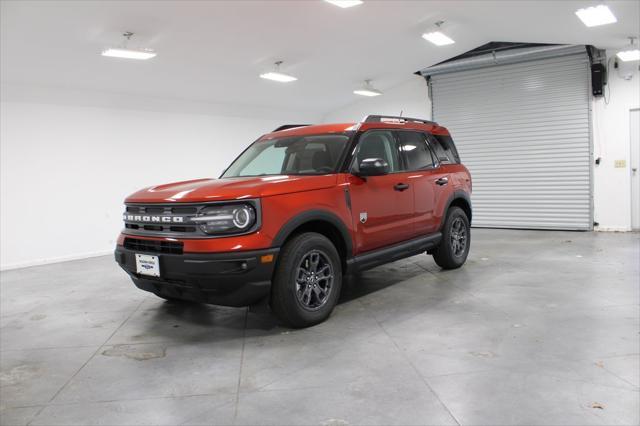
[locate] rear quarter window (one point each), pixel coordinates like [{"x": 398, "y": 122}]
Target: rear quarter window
[{"x": 444, "y": 148}]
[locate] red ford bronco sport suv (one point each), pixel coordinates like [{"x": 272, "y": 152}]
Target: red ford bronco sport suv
[{"x": 298, "y": 209}]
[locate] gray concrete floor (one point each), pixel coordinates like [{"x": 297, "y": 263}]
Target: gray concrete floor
[{"x": 536, "y": 328}]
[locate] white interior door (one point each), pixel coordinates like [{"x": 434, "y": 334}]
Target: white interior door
[{"x": 634, "y": 119}]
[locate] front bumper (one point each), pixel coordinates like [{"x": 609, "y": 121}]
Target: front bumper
[{"x": 229, "y": 279}]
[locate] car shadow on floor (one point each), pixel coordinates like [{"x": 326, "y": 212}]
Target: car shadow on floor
[
  {"x": 358, "y": 285},
  {"x": 227, "y": 322}
]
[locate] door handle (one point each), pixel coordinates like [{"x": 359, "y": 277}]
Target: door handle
[
  {"x": 442, "y": 181},
  {"x": 401, "y": 187}
]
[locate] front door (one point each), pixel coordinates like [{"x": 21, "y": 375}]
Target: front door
[{"x": 382, "y": 206}]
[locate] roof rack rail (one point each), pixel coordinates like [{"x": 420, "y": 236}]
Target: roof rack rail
[
  {"x": 290, "y": 126},
  {"x": 381, "y": 118}
]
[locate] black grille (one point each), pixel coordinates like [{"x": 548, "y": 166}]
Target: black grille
[
  {"x": 160, "y": 228},
  {"x": 162, "y": 209},
  {"x": 184, "y": 210},
  {"x": 182, "y": 229},
  {"x": 154, "y": 210},
  {"x": 153, "y": 246}
]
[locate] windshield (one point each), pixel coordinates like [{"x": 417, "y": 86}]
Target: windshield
[{"x": 294, "y": 155}]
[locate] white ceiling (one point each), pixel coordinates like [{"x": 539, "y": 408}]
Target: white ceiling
[{"x": 213, "y": 51}]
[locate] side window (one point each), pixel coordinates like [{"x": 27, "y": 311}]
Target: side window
[
  {"x": 444, "y": 148},
  {"x": 414, "y": 147},
  {"x": 378, "y": 144}
]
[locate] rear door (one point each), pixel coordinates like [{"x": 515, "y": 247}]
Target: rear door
[
  {"x": 422, "y": 176},
  {"x": 382, "y": 206}
]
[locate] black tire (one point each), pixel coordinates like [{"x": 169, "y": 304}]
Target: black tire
[
  {"x": 449, "y": 254},
  {"x": 300, "y": 297}
]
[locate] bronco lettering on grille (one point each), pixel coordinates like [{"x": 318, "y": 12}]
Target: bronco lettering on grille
[{"x": 153, "y": 219}]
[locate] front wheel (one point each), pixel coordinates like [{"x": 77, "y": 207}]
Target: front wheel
[
  {"x": 453, "y": 250},
  {"x": 307, "y": 280}
]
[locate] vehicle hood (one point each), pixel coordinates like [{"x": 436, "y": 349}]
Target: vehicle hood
[{"x": 203, "y": 190}]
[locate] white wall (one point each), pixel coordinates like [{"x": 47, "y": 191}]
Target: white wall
[
  {"x": 65, "y": 169},
  {"x": 611, "y": 139},
  {"x": 410, "y": 98}
]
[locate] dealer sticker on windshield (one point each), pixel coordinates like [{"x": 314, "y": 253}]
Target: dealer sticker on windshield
[{"x": 148, "y": 265}]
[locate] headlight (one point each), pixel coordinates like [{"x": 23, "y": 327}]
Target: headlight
[{"x": 230, "y": 219}]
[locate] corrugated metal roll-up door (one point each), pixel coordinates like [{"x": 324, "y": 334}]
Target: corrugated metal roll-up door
[{"x": 523, "y": 130}]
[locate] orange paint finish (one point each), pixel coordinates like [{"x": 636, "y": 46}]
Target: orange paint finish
[
  {"x": 280, "y": 204},
  {"x": 373, "y": 212},
  {"x": 207, "y": 190}
]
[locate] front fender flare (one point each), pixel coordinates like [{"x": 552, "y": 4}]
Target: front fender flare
[{"x": 313, "y": 215}]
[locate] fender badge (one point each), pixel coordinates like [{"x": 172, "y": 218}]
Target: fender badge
[{"x": 363, "y": 217}]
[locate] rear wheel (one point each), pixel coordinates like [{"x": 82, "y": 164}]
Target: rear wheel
[
  {"x": 307, "y": 280},
  {"x": 456, "y": 238}
]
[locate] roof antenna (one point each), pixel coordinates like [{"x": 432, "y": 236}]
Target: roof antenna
[{"x": 401, "y": 113}]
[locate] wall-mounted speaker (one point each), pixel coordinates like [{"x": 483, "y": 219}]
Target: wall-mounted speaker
[{"x": 598, "y": 79}]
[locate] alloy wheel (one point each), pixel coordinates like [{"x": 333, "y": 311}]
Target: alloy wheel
[
  {"x": 314, "y": 280},
  {"x": 458, "y": 237}
]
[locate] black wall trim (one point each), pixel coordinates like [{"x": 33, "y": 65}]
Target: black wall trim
[
  {"x": 393, "y": 253},
  {"x": 310, "y": 216}
]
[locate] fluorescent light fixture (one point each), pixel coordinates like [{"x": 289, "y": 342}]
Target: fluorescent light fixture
[
  {"x": 437, "y": 38},
  {"x": 123, "y": 51},
  {"x": 276, "y": 75},
  {"x": 629, "y": 55},
  {"x": 367, "y": 90},
  {"x": 118, "y": 52},
  {"x": 345, "y": 3},
  {"x": 596, "y": 15}
]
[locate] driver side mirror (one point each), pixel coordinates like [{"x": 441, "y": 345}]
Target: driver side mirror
[{"x": 373, "y": 167}]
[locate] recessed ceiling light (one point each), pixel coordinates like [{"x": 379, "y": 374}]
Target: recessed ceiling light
[
  {"x": 596, "y": 15},
  {"x": 124, "y": 52},
  {"x": 116, "y": 52},
  {"x": 633, "y": 54},
  {"x": 345, "y": 3},
  {"x": 277, "y": 75},
  {"x": 629, "y": 55},
  {"x": 367, "y": 90},
  {"x": 438, "y": 38}
]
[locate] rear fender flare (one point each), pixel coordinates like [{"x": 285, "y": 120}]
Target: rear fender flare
[{"x": 457, "y": 195}]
